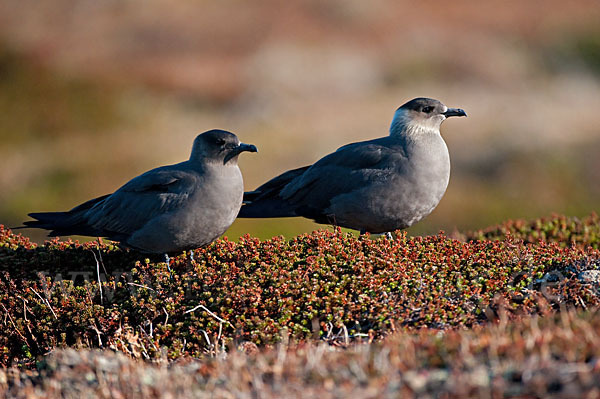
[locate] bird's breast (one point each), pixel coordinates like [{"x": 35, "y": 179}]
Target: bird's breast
[
  {"x": 407, "y": 194},
  {"x": 222, "y": 191}
]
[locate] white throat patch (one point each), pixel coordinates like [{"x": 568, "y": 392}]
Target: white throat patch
[{"x": 405, "y": 124}]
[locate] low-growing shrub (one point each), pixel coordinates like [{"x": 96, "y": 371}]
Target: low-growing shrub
[
  {"x": 323, "y": 285},
  {"x": 564, "y": 230}
]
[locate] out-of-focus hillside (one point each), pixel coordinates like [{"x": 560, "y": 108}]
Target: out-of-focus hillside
[{"x": 93, "y": 93}]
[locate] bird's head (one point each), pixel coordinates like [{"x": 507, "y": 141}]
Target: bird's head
[
  {"x": 421, "y": 115},
  {"x": 218, "y": 146}
]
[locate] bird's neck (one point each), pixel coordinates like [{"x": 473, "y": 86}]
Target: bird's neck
[{"x": 410, "y": 130}]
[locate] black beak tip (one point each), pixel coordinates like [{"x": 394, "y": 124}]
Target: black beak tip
[
  {"x": 238, "y": 150},
  {"x": 454, "y": 112},
  {"x": 251, "y": 148}
]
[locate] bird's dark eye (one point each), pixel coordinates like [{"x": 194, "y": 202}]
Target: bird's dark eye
[
  {"x": 220, "y": 141},
  {"x": 428, "y": 109}
]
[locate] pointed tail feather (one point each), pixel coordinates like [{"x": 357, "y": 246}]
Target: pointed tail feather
[
  {"x": 265, "y": 202},
  {"x": 65, "y": 223},
  {"x": 59, "y": 224},
  {"x": 267, "y": 208}
]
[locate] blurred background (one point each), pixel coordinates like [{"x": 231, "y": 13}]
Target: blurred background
[{"x": 94, "y": 93}]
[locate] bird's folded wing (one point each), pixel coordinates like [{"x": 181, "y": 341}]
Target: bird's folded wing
[
  {"x": 147, "y": 196},
  {"x": 349, "y": 168},
  {"x": 273, "y": 186}
]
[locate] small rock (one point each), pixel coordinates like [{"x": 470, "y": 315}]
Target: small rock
[{"x": 590, "y": 276}]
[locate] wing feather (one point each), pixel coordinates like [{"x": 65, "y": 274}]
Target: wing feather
[
  {"x": 348, "y": 169},
  {"x": 152, "y": 194}
]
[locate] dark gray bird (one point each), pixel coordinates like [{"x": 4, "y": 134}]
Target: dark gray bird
[
  {"x": 168, "y": 209},
  {"x": 374, "y": 186}
]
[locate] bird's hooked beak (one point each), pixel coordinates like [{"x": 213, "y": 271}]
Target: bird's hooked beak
[
  {"x": 454, "y": 112},
  {"x": 239, "y": 149}
]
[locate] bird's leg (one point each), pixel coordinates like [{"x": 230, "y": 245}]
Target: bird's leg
[
  {"x": 168, "y": 260},
  {"x": 332, "y": 221},
  {"x": 192, "y": 255},
  {"x": 362, "y": 232}
]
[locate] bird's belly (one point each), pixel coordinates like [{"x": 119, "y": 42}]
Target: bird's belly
[
  {"x": 188, "y": 228},
  {"x": 387, "y": 206},
  {"x": 203, "y": 227}
]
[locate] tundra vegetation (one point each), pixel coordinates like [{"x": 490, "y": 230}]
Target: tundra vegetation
[{"x": 511, "y": 309}]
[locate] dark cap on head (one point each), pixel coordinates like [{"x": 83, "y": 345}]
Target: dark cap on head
[
  {"x": 431, "y": 106},
  {"x": 218, "y": 145}
]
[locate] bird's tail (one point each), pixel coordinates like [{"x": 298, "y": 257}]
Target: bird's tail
[
  {"x": 265, "y": 201},
  {"x": 64, "y": 223},
  {"x": 58, "y": 222}
]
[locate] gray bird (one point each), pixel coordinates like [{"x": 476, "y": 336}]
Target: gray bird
[
  {"x": 374, "y": 186},
  {"x": 168, "y": 209}
]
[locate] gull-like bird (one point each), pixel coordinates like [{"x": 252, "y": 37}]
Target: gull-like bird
[
  {"x": 374, "y": 186},
  {"x": 168, "y": 209}
]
